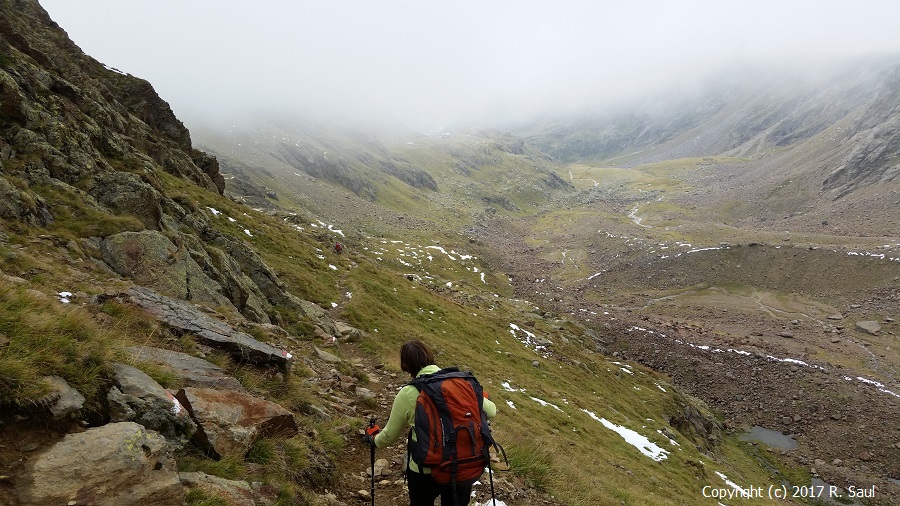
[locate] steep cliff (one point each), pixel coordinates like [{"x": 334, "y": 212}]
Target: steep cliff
[{"x": 85, "y": 151}]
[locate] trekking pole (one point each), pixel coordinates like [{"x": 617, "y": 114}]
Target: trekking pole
[{"x": 372, "y": 448}]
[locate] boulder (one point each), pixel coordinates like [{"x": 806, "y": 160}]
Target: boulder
[
  {"x": 63, "y": 400},
  {"x": 136, "y": 397},
  {"x": 118, "y": 463},
  {"x": 349, "y": 333},
  {"x": 184, "y": 317},
  {"x": 328, "y": 357},
  {"x": 149, "y": 258},
  {"x": 124, "y": 192},
  {"x": 318, "y": 317},
  {"x": 229, "y": 422},
  {"x": 227, "y": 272},
  {"x": 231, "y": 492},
  {"x": 870, "y": 327},
  {"x": 192, "y": 371}
]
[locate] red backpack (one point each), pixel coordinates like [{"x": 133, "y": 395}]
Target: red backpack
[{"x": 453, "y": 437}]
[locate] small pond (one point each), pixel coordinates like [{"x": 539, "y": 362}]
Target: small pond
[{"x": 769, "y": 437}]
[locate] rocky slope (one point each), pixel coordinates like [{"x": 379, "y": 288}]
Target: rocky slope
[
  {"x": 224, "y": 372},
  {"x": 83, "y": 142}
]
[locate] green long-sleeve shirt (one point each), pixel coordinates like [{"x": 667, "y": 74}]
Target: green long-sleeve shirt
[{"x": 403, "y": 414}]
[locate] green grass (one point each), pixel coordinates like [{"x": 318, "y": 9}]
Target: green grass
[
  {"x": 199, "y": 497},
  {"x": 74, "y": 218},
  {"x": 564, "y": 452},
  {"x": 48, "y": 338}
]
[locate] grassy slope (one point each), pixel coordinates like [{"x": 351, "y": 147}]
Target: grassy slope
[
  {"x": 569, "y": 453},
  {"x": 577, "y": 458}
]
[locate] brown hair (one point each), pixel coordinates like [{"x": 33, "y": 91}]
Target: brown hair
[{"x": 414, "y": 355}]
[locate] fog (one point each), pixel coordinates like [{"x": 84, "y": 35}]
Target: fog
[{"x": 427, "y": 64}]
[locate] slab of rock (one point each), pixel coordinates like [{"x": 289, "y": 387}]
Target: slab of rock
[
  {"x": 112, "y": 465},
  {"x": 183, "y": 316},
  {"x": 871, "y": 327},
  {"x": 136, "y": 397},
  {"x": 229, "y": 422},
  {"x": 836, "y": 316},
  {"x": 328, "y": 357},
  {"x": 63, "y": 400},
  {"x": 192, "y": 371},
  {"x": 233, "y": 493}
]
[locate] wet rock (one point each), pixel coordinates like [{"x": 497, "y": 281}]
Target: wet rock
[
  {"x": 232, "y": 492},
  {"x": 118, "y": 463},
  {"x": 192, "y": 371},
  {"x": 229, "y": 422},
  {"x": 136, "y": 397}
]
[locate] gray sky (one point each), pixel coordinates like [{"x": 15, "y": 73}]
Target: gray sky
[{"x": 430, "y": 63}]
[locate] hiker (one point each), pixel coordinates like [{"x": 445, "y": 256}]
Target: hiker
[
  {"x": 418, "y": 360},
  {"x": 338, "y": 248}
]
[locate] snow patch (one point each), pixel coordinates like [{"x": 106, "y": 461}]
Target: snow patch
[{"x": 644, "y": 445}]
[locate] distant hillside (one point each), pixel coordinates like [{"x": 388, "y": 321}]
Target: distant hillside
[
  {"x": 750, "y": 115},
  {"x": 463, "y": 176}
]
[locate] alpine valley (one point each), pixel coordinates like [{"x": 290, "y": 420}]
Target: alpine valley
[{"x": 691, "y": 298}]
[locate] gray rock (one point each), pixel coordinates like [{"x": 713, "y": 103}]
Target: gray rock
[
  {"x": 66, "y": 401},
  {"x": 212, "y": 332},
  {"x": 124, "y": 192},
  {"x": 328, "y": 357},
  {"x": 112, "y": 465},
  {"x": 150, "y": 259},
  {"x": 317, "y": 316},
  {"x": 836, "y": 316},
  {"x": 871, "y": 327},
  {"x": 192, "y": 371},
  {"x": 233, "y": 493},
  {"x": 240, "y": 289},
  {"x": 136, "y": 397},
  {"x": 229, "y": 422},
  {"x": 382, "y": 468}
]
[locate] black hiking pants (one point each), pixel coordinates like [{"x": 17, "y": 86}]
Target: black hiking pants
[{"x": 423, "y": 490}]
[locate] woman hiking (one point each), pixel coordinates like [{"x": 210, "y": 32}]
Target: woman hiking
[{"x": 417, "y": 359}]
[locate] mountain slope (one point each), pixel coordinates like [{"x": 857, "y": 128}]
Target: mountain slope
[
  {"x": 107, "y": 206},
  {"x": 461, "y": 176}
]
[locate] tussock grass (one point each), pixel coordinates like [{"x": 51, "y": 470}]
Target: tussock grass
[
  {"x": 48, "y": 338},
  {"x": 198, "y": 497}
]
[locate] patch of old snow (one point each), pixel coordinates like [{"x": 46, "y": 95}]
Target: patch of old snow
[{"x": 644, "y": 445}]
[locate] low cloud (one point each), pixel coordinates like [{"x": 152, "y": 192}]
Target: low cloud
[{"x": 430, "y": 64}]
